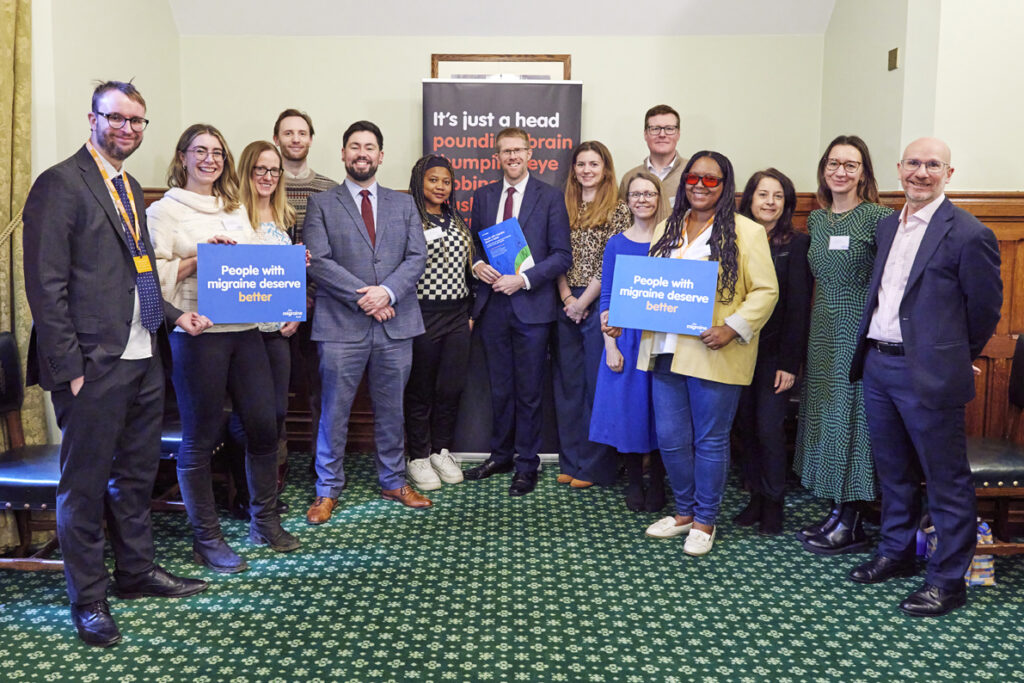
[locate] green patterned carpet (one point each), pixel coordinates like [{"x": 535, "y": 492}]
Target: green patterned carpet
[{"x": 561, "y": 585}]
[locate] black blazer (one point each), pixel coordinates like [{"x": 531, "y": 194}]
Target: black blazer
[
  {"x": 545, "y": 225},
  {"x": 950, "y": 306},
  {"x": 784, "y": 336},
  {"x": 79, "y": 274}
]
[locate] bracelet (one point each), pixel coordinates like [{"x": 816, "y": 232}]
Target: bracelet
[{"x": 567, "y": 296}]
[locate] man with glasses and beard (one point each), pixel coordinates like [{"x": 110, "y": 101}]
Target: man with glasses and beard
[
  {"x": 367, "y": 253},
  {"x": 293, "y": 135},
  {"x": 98, "y": 334}
]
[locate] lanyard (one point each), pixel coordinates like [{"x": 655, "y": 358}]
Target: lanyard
[
  {"x": 689, "y": 242},
  {"x": 116, "y": 196}
]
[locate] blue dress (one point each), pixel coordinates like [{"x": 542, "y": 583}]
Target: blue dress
[{"x": 622, "y": 416}]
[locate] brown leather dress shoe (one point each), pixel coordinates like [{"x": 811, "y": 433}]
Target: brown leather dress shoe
[
  {"x": 320, "y": 511},
  {"x": 581, "y": 484},
  {"x": 407, "y": 496},
  {"x": 564, "y": 478}
]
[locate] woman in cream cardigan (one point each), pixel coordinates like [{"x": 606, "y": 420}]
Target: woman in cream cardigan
[
  {"x": 696, "y": 381},
  {"x": 202, "y": 206}
]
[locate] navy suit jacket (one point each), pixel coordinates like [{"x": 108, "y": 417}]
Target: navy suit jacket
[
  {"x": 545, "y": 225},
  {"x": 79, "y": 274},
  {"x": 342, "y": 260},
  {"x": 950, "y": 306}
]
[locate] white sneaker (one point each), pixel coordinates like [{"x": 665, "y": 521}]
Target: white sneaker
[
  {"x": 446, "y": 467},
  {"x": 421, "y": 475},
  {"x": 666, "y": 528},
  {"x": 699, "y": 543}
]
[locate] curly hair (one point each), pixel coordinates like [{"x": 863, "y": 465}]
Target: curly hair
[
  {"x": 225, "y": 186},
  {"x": 783, "y": 230},
  {"x": 723, "y": 230},
  {"x": 419, "y": 170}
]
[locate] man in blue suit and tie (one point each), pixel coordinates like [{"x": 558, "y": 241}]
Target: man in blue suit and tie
[
  {"x": 367, "y": 252},
  {"x": 514, "y": 311},
  {"x": 933, "y": 303}
]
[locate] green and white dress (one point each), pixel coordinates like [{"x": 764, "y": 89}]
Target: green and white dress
[{"x": 833, "y": 452}]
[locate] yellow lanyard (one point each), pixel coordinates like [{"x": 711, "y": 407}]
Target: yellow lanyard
[
  {"x": 689, "y": 242},
  {"x": 116, "y": 196}
]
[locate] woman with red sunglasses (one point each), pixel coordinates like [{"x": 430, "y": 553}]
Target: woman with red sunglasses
[{"x": 696, "y": 380}]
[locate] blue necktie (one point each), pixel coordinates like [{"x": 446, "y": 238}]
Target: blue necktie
[{"x": 150, "y": 301}]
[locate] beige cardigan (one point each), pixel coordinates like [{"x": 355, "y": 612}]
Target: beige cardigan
[{"x": 757, "y": 290}]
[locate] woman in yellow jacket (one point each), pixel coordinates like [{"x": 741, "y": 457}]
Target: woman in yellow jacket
[{"x": 697, "y": 380}]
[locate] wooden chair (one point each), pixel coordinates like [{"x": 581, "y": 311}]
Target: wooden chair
[
  {"x": 28, "y": 474},
  {"x": 998, "y": 465}
]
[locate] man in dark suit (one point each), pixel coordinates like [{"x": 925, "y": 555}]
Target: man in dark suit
[
  {"x": 933, "y": 303},
  {"x": 515, "y": 311},
  {"x": 367, "y": 253},
  {"x": 98, "y": 315}
]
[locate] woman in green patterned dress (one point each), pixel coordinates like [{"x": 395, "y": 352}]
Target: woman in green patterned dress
[{"x": 833, "y": 454}]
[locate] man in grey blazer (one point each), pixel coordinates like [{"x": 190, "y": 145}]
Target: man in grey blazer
[
  {"x": 367, "y": 252},
  {"x": 99, "y": 328}
]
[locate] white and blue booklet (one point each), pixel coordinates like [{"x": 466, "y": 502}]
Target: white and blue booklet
[{"x": 506, "y": 247}]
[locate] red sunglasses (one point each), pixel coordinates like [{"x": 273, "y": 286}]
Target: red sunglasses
[{"x": 709, "y": 181}]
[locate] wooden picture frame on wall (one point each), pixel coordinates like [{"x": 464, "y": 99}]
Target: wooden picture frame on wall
[{"x": 547, "y": 67}]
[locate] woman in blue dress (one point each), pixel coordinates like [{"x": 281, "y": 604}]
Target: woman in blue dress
[{"x": 622, "y": 415}]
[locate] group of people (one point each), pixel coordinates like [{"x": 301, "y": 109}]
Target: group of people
[{"x": 398, "y": 282}]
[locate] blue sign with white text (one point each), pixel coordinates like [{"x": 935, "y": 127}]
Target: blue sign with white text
[
  {"x": 663, "y": 294},
  {"x": 251, "y": 283}
]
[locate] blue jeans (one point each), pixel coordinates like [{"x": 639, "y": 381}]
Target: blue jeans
[{"x": 693, "y": 418}]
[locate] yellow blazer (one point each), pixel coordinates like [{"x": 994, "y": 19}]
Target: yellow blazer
[{"x": 757, "y": 291}]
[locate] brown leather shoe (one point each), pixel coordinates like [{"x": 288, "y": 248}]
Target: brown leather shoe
[
  {"x": 564, "y": 478},
  {"x": 320, "y": 511},
  {"x": 407, "y": 496},
  {"x": 581, "y": 484}
]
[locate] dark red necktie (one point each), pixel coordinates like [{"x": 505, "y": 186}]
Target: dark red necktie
[
  {"x": 367, "y": 210},
  {"x": 508, "y": 204}
]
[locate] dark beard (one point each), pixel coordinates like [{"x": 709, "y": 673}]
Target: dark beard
[
  {"x": 360, "y": 177},
  {"x": 108, "y": 145}
]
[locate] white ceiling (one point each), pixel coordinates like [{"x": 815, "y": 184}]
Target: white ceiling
[{"x": 494, "y": 18}]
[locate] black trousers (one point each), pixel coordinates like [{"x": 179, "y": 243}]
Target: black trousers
[
  {"x": 440, "y": 357},
  {"x": 759, "y": 426},
  {"x": 108, "y": 461}
]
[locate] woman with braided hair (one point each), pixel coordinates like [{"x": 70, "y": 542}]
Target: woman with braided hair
[
  {"x": 697, "y": 380},
  {"x": 439, "y": 354}
]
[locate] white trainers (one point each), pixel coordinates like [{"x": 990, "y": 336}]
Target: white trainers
[
  {"x": 666, "y": 528},
  {"x": 699, "y": 543},
  {"x": 446, "y": 467},
  {"x": 421, "y": 475}
]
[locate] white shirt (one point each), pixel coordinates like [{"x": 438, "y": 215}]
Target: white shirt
[
  {"x": 355, "y": 191},
  {"x": 662, "y": 173},
  {"x": 885, "y": 321},
  {"x": 140, "y": 344}
]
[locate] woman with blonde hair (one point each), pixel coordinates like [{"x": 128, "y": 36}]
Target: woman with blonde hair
[
  {"x": 595, "y": 214},
  {"x": 202, "y": 206}
]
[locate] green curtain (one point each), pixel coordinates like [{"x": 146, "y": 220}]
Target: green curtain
[{"x": 15, "y": 180}]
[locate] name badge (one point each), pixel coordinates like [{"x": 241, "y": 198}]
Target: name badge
[
  {"x": 433, "y": 234},
  {"x": 839, "y": 242},
  {"x": 142, "y": 264},
  {"x": 231, "y": 224}
]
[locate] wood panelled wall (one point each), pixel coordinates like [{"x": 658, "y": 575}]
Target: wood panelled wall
[{"x": 1003, "y": 212}]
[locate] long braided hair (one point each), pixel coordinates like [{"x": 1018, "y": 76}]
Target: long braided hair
[
  {"x": 419, "y": 169},
  {"x": 723, "y": 229}
]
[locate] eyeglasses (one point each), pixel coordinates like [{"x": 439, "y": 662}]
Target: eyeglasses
[
  {"x": 115, "y": 120},
  {"x": 642, "y": 195},
  {"x": 201, "y": 153},
  {"x": 709, "y": 181},
  {"x": 658, "y": 130},
  {"x": 263, "y": 170},
  {"x": 833, "y": 165},
  {"x": 932, "y": 166},
  {"x": 513, "y": 152}
]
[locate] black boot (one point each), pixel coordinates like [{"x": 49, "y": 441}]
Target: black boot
[
  {"x": 655, "y": 499},
  {"x": 847, "y": 536},
  {"x": 264, "y": 519},
  {"x": 751, "y": 514},
  {"x": 820, "y": 526},
  {"x": 208, "y": 546},
  {"x": 771, "y": 517},
  {"x": 634, "y": 481}
]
